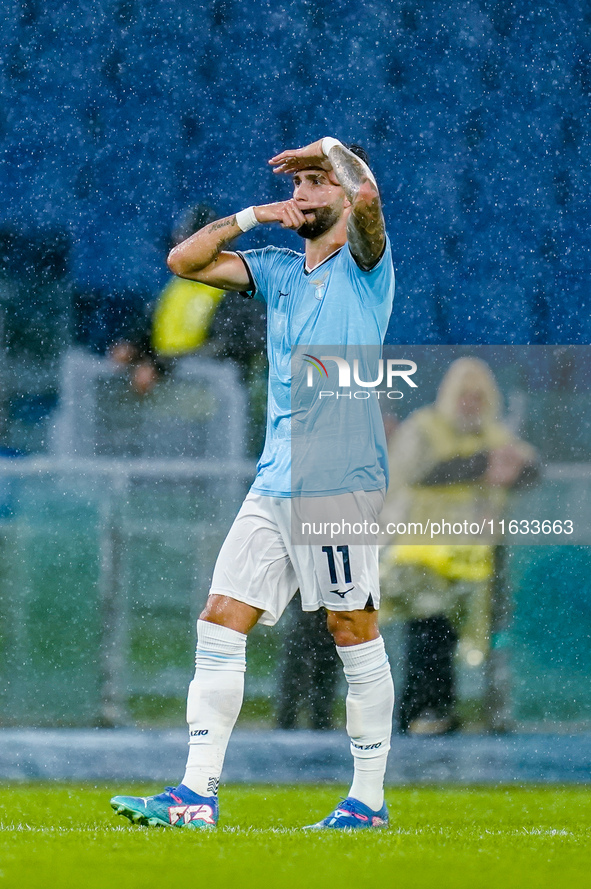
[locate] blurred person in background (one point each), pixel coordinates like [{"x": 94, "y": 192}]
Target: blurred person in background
[
  {"x": 308, "y": 669},
  {"x": 452, "y": 461},
  {"x": 190, "y": 317}
]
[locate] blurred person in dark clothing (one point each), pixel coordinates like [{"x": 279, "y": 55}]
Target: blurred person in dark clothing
[{"x": 309, "y": 670}]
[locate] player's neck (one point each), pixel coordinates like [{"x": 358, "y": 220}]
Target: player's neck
[{"x": 328, "y": 243}]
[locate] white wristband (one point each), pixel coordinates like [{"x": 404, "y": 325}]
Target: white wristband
[
  {"x": 327, "y": 143},
  {"x": 245, "y": 219}
]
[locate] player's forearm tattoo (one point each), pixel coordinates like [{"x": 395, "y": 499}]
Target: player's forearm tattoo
[
  {"x": 365, "y": 229},
  {"x": 222, "y": 223},
  {"x": 228, "y": 222}
]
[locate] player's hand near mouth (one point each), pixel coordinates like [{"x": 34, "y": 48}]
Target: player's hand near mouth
[{"x": 289, "y": 214}]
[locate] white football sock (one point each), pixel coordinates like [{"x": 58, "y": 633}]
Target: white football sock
[
  {"x": 213, "y": 703},
  {"x": 370, "y": 703}
]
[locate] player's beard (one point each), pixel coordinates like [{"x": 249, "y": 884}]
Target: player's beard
[{"x": 324, "y": 218}]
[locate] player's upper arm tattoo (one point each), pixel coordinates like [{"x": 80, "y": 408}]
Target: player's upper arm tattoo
[{"x": 365, "y": 228}]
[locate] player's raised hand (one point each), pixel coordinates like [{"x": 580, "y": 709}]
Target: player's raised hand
[
  {"x": 295, "y": 159},
  {"x": 287, "y": 213}
]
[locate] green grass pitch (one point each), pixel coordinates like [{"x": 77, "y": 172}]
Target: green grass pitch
[{"x": 55, "y": 836}]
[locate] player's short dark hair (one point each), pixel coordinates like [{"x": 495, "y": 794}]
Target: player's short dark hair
[{"x": 360, "y": 152}]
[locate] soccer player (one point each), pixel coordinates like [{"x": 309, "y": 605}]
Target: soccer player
[{"x": 340, "y": 292}]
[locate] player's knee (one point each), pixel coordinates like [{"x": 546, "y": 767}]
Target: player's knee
[
  {"x": 230, "y": 613},
  {"x": 352, "y": 627}
]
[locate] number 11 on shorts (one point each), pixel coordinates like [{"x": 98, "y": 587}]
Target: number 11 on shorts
[{"x": 332, "y": 567}]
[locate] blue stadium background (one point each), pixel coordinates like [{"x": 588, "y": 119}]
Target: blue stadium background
[{"x": 116, "y": 114}]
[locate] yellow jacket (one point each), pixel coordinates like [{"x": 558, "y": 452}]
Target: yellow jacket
[
  {"x": 182, "y": 317},
  {"x": 431, "y": 436}
]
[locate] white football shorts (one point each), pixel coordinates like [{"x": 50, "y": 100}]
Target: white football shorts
[{"x": 259, "y": 565}]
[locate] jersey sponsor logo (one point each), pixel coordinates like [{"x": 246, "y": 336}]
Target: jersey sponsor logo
[
  {"x": 341, "y": 593},
  {"x": 280, "y": 294},
  {"x": 197, "y": 732},
  {"x": 186, "y": 814}
]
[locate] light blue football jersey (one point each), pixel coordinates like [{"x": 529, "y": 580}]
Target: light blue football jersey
[{"x": 339, "y": 443}]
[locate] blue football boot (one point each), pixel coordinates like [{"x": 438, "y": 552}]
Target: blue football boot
[
  {"x": 352, "y": 815},
  {"x": 176, "y": 807}
]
